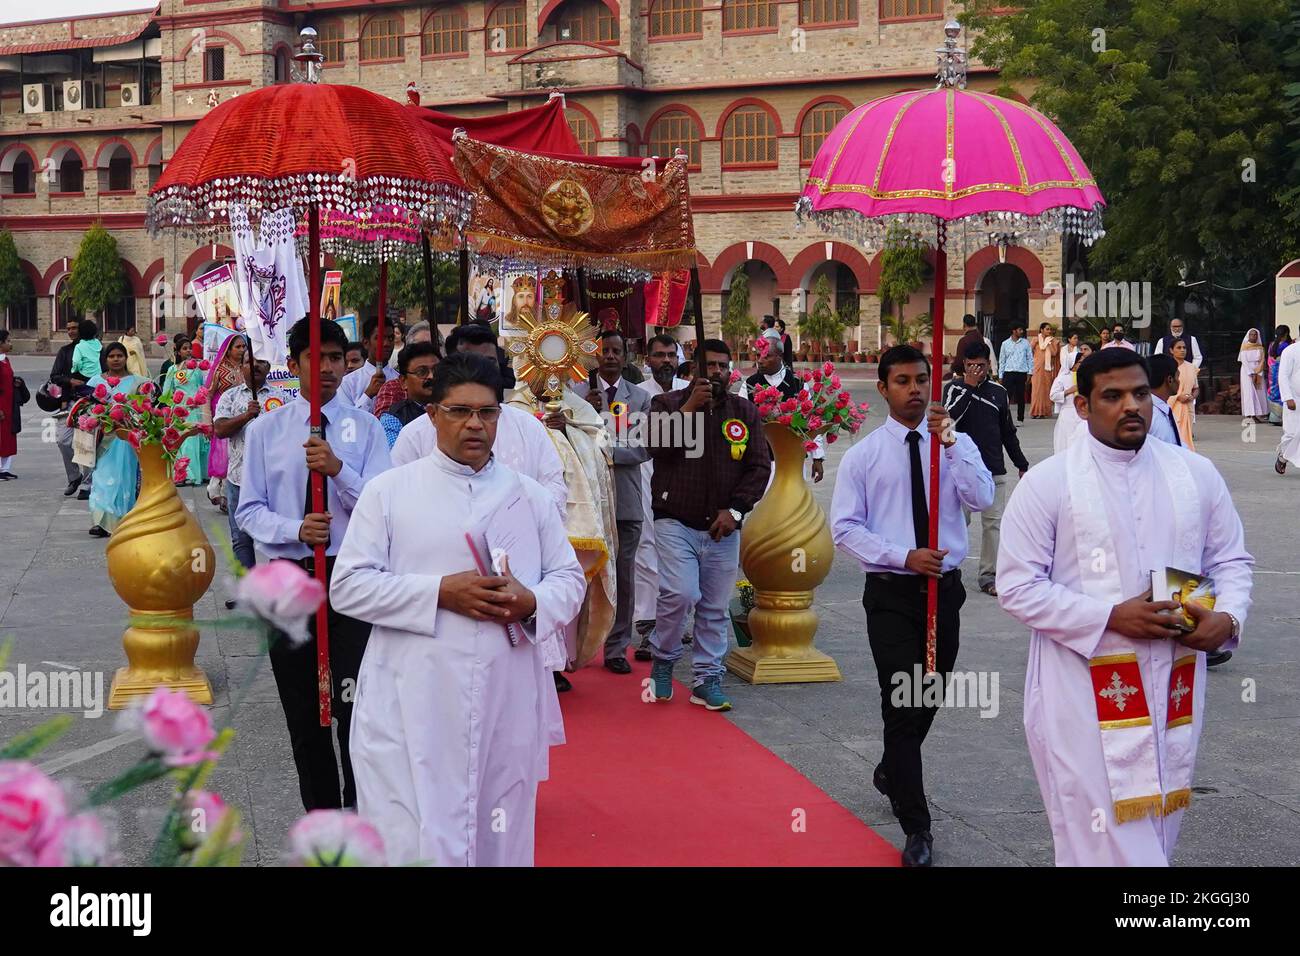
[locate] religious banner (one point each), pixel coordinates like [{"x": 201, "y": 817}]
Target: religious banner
[
  {"x": 214, "y": 336},
  {"x": 665, "y": 299},
  {"x": 602, "y": 214},
  {"x": 329, "y": 297},
  {"x": 349, "y": 324},
  {"x": 217, "y": 297},
  {"x": 280, "y": 377}
]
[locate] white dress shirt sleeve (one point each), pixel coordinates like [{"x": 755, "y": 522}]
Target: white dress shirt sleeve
[
  {"x": 347, "y": 484},
  {"x": 973, "y": 480},
  {"x": 255, "y": 514},
  {"x": 849, "y": 518}
]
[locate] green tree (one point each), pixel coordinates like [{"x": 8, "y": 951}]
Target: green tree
[
  {"x": 1176, "y": 110},
  {"x": 823, "y": 324},
  {"x": 14, "y": 284},
  {"x": 360, "y": 289},
  {"x": 737, "y": 324},
  {"x": 97, "y": 279},
  {"x": 902, "y": 272}
]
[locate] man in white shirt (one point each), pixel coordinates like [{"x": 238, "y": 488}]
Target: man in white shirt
[
  {"x": 273, "y": 509},
  {"x": 1288, "y": 389},
  {"x": 360, "y": 387},
  {"x": 1163, "y": 377},
  {"x": 1178, "y": 331},
  {"x": 880, "y": 517},
  {"x": 1114, "y": 692},
  {"x": 236, "y": 409}
]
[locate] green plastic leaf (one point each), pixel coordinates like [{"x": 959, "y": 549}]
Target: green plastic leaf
[{"x": 31, "y": 742}]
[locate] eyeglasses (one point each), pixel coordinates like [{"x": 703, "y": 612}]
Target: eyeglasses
[
  {"x": 422, "y": 372},
  {"x": 461, "y": 413}
]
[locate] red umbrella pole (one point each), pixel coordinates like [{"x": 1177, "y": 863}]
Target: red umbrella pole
[
  {"x": 936, "y": 374},
  {"x": 323, "y": 682},
  {"x": 381, "y": 361}
]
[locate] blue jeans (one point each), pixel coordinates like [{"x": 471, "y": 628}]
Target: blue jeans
[
  {"x": 241, "y": 542},
  {"x": 694, "y": 571}
]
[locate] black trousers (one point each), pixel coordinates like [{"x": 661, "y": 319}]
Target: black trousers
[
  {"x": 895, "y": 606},
  {"x": 295, "y": 677},
  {"x": 1014, "y": 383}
]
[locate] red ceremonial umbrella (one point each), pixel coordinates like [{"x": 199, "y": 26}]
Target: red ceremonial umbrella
[
  {"x": 908, "y": 167},
  {"x": 314, "y": 148}
]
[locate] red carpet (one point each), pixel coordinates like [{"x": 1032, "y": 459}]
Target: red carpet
[{"x": 673, "y": 785}]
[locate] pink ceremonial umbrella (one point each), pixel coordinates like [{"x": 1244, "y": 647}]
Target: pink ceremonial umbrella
[{"x": 911, "y": 166}]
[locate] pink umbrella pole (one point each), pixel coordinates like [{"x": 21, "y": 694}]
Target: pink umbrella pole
[
  {"x": 323, "y": 681},
  {"x": 936, "y": 376},
  {"x": 381, "y": 361}
]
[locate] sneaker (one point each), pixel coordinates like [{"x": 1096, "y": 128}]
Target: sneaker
[
  {"x": 661, "y": 675},
  {"x": 710, "y": 695}
]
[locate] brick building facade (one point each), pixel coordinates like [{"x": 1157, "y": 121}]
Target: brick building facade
[{"x": 748, "y": 87}]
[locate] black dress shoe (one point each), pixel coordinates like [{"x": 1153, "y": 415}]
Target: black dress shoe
[
  {"x": 7, "y": 476},
  {"x": 72, "y": 488},
  {"x": 83, "y": 494},
  {"x": 561, "y": 682},
  {"x": 919, "y": 850},
  {"x": 642, "y": 653},
  {"x": 1215, "y": 658},
  {"x": 882, "y": 784},
  {"x": 98, "y": 532},
  {"x": 230, "y": 605},
  {"x": 619, "y": 665}
]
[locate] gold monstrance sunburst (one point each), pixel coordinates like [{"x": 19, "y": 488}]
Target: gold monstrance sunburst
[{"x": 552, "y": 351}]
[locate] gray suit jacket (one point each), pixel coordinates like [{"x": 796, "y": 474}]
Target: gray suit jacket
[{"x": 628, "y": 505}]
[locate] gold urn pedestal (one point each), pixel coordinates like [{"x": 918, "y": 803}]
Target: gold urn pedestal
[
  {"x": 160, "y": 563},
  {"x": 786, "y": 552}
]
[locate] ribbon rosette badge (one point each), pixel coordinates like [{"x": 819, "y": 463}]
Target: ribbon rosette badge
[
  {"x": 271, "y": 404},
  {"x": 618, "y": 411},
  {"x": 737, "y": 433}
]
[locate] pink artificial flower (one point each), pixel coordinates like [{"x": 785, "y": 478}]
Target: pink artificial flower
[
  {"x": 79, "y": 841},
  {"x": 32, "y": 807},
  {"x": 810, "y": 446},
  {"x": 117, "y": 413},
  {"x": 828, "y": 368},
  {"x": 201, "y": 814},
  {"x": 86, "y": 423},
  {"x": 147, "y": 388},
  {"x": 178, "y": 397},
  {"x": 160, "y": 338},
  {"x": 334, "y": 838},
  {"x": 835, "y": 381},
  {"x": 181, "y": 471},
  {"x": 789, "y": 405},
  {"x": 179, "y": 411},
  {"x": 283, "y": 595},
  {"x": 735, "y": 377},
  {"x": 805, "y": 406},
  {"x": 112, "y": 380},
  {"x": 806, "y": 376},
  {"x": 765, "y": 409},
  {"x": 815, "y": 422},
  {"x": 171, "y": 436},
  {"x": 205, "y": 429},
  {"x": 785, "y": 419},
  {"x": 172, "y": 725},
  {"x": 98, "y": 410},
  {"x": 201, "y": 395},
  {"x": 53, "y": 390},
  {"x": 133, "y": 439},
  {"x": 119, "y": 397},
  {"x": 190, "y": 363},
  {"x": 101, "y": 392},
  {"x": 817, "y": 375},
  {"x": 204, "y": 365},
  {"x": 841, "y": 402},
  {"x": 832, "y": 438}
]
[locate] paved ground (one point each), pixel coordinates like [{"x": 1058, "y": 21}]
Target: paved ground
[{"x": 57, "y": 605}]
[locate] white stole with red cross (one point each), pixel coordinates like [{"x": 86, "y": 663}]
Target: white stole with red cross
[{"x": 1124, "y": 717}]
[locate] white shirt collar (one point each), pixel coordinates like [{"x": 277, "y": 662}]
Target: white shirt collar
[
  {"x": 777, "y": 378},
  {"x": 901, "y": 431}
]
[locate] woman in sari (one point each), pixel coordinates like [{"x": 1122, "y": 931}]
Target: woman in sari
[
  {"x": 1182, "y": 403},
  {"x": 187, "y": 377},
  {"x": 224, "y": 374},
  {"x": 1047, "y": 351},
  {"x": 113, "y": 484},
  {"x": 1254, "y": 401},
  {"x": 1281, "y": 339}
]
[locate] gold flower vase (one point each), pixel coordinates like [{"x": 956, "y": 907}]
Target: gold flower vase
[
  {"x": 786, "y": 552},
  {"x": 160, "y": 564}
]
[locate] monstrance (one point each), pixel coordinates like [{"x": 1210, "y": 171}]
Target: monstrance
[{"x": 552, "y": 350}]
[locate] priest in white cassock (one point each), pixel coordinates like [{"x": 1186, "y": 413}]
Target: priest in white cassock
[
  {"x": 455, "y": 711},
  {"x": 1114, "y": 694}
]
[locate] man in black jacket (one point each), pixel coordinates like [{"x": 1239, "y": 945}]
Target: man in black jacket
[
  {"x": 980, "y": 408},
  {"x": 60, "y": 375}
]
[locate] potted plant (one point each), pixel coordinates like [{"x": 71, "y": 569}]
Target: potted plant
[{"x": 741, "y": 604}]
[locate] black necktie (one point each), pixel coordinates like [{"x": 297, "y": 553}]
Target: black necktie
[
  {"x": 1178, "y": 440},
  {"x": 920, "y": 513},
  {"x": 307, "y": 508},
  {"x": 610, "y": 393}
]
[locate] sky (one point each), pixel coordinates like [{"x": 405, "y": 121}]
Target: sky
[{"x": 14, "y": 12}]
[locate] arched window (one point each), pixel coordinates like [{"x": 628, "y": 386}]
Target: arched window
[
  {"x": 283, "y": 74},
  {"x": 153, "y": 159},
  {"x": 115, "y": 171},
  {"x": 747, "y": 15},
  {"x": 830, "y": 11},
  {"x": 120, "y": 315},
  {"x": 676, "y": 18},
  {"x": 381, "y": 39},
  {"x": 71, "y": 174},
  {"x": 22, "y": 176},
  {"x": 910, "y": 9},
  {"x": 584, "y": 131},
  {"x": 507, "y": 28},
  {"x": 749, "y": 137},
  {"x": 672, "y": 130},
  {"x": 22, "y": 313},
  {"x": 817, "y": 124},
  {"x": 329, "y": 41},
  {"x": 583, "y": 21},
  {"x": 445, "y": 32},
  {"x": 63, "y": 306}
]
